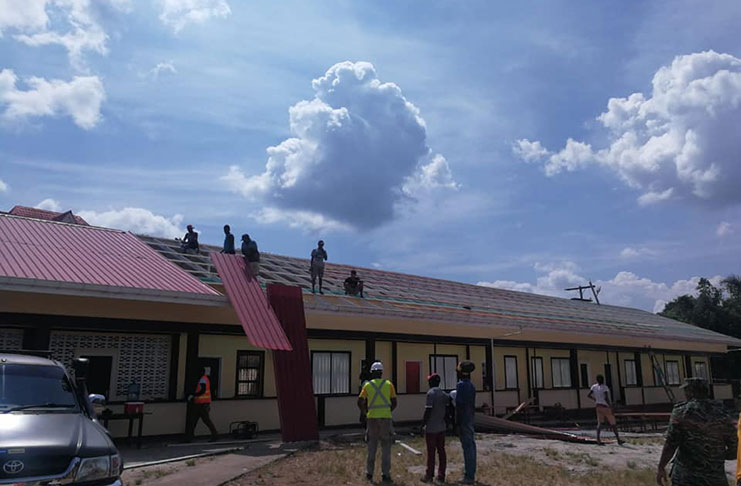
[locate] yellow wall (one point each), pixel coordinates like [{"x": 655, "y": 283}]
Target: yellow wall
[
  {"x": 357, "y": 354},
  {"x": 595, "y": 361},
  {"x": 498, "y": 357},
  {"x": 546, "y": 354},
  {"x": 226, "y": 347}
]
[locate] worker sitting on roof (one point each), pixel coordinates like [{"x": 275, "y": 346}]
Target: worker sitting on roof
[
  {"x": 228, "y": 241},
  {"x": 189, "y": 243},
  {"x": 318, "y": 256},
  {"x": 353, "y": 284},
  {"x": 251, "y": 254}
]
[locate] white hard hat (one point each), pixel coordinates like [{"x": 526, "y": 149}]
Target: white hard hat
[{"x": 377, "y": 366}]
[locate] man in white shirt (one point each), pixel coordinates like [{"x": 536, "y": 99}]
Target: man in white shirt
[{"x": 600, "y": 393}]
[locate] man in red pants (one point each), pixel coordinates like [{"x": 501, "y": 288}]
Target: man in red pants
[{"x": 434, "y": 427}]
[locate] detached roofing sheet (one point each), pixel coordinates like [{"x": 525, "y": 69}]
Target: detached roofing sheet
[
  {"x": 71, "y": 253},
  {"x": 37, "y": 213},
  {"x": 258, "y": 320}
]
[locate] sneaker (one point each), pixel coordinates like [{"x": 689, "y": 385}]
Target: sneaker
[
  {"x": 386, "y": 479},
  {"x": 426, "y": 479},
  {"x": 467, "y": 481},
  {"x": 440, "y": 479},
  {"x": 369, "y": 477}
]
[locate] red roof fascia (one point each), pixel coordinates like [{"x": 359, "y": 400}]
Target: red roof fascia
[
  {"x": 258, "y": 320},
  {"x": 61, "y": 252},
  {"x": 36, "y": 213}
]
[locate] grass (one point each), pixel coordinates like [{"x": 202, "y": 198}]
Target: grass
[{"x": 347, "y": 467}]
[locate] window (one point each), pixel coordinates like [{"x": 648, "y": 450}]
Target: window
[
  {"x": 672, "y": 372},
  {"x": 444, "y": 365},
  {"x": 250, "y": 373},
  {"x": 701, "y": 370},
  {"x": 630, "y": 373},
  {"x": 584, "y": 375},
  {"x": 537, "y": 372},
  {"x": 561, "y": 372},
  {"x": 510, "y": 372},
  {"x": 331, "y": 372}
]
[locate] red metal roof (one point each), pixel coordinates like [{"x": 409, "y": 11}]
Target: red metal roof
[
  {"x": 37, "y": 213},
  {"x": 258, "y": 320},
  {"x": 61, "y": 252}
]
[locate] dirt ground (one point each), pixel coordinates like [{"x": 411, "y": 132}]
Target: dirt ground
[{"x": 502, "y": 460}]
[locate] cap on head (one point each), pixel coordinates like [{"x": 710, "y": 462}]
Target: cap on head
[
  {"x": 190, "y": 227},
  {"x": 466, "y": 367},
  {"x": 697, "y": 387},
  {"x": 433, "y": 379},
  {"x": 377, "y": 366}
]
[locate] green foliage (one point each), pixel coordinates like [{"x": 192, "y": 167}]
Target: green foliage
[{"x": 717, "y": 309}]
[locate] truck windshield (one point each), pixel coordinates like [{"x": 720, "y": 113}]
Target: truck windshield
[{"x": 24, "y": 387}]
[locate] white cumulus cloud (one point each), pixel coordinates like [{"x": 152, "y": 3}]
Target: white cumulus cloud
[
  {"x": 177, "y": 14},
  {"x": 49, "y": 204},
  {"x": 358, "y": 150},
  {"x": 3, "y": 186},
  {"x": 678, "y": 142},
  {"x": 136, "y": 220},
  {"x": 80, "y": 98},
  {"x": 629, "y": 252},
  {"x": 724, "y": 229},
  {"x": 23, "y": 14},
  {"x": 625, "y": 289}
]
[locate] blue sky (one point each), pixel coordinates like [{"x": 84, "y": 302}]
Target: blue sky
[{"x": 455, "y": 139}]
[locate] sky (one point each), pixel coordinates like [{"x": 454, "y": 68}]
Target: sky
[{"x": 512, "y": 144}]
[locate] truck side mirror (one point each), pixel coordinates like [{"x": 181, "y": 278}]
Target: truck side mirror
[
  {"x": 80, "y": 365},
  {"x": 96, "y": 399}
]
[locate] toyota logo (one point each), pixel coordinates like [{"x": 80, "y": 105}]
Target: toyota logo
[{"x": 13, "y": 467}]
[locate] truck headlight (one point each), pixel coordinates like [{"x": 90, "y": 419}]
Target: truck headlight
[{"x": 93, "y": 468}]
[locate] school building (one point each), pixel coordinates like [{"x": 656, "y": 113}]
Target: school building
[{"x": 147, "y": 314}]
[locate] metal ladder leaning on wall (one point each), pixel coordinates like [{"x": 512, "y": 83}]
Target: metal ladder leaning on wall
[{"x": 659, "y": 370}]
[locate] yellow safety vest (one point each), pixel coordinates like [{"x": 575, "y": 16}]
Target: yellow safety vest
[{"x": 379, "y": 398}]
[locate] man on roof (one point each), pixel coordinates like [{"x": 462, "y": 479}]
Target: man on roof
[
  {"x": 189, "y": 243},
  {"x": 353, "y": 284},
  {"x": 228, "y": 241},
  {"x": 251, "y": 254},
  {"x": 318, "y": 257}
]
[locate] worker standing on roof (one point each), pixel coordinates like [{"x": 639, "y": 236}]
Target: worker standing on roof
[
  {"x": 703, "y": 436},
  {"x": 201, "y": 406},
  {"x": 251, "y": 254},
  {"x": 189, "y": 243},
  {"x": 318, "y": 257},
  {"x": 228, "y": 241},
  {"x": 436, "y": 407},
  {"x": 601, "y": 395},
  {"x": 465, "y": 408},
  {"x": 377, "y": 399}
]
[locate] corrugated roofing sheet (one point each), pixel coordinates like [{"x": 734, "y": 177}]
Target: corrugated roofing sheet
[
  {"x": 258, "y": 320},
  {"x": 37, "y": 213},
  {"x": 43, "y": 250}
]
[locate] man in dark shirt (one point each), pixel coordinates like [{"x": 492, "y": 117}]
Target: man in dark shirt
[
  {"x": 353, "y": 284},
  {"x": 251, "y": 254},
  {"x": 436, "y": 406},
  {"x": 701, "y": 433},
  {"x": 190, "y": 241},
  {"x": 228, "y": 241},
  {"x": 465, "y": 407},
  {"x": 318, "y": 257}
]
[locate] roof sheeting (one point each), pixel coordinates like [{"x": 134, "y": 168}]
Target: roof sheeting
[
  {"x": 36, "y": 213},
  {"x": 258, "y": 320},
  {"x": 32, "y": 249}
]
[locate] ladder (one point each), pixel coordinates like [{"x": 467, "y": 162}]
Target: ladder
[{"x": 661, "y": 376}]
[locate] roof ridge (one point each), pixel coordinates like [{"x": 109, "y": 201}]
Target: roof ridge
[{"x": 53, "y": 221}]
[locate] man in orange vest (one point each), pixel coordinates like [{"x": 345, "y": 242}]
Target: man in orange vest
[{"x": 201, "y": 406}]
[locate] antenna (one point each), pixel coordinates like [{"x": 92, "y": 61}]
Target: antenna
[{"x": 582, "y": 288}]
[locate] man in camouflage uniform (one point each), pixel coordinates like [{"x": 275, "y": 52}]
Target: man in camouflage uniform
[{"x": 701, "y": 432}]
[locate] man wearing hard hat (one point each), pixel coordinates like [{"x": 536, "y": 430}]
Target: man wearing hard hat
[{"x": 376, "y": 401}]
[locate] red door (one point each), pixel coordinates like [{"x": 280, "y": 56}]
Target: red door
[{"x": 412, "y": 376}]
